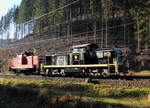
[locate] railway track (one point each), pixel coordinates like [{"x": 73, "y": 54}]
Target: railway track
[
  {"x": 36, "y": 77},
  {"x": 142, "y": 83},
  {"x": 115, "y": 82}
]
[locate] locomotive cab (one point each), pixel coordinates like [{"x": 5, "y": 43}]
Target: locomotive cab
[{"x": 84, "y": 54}]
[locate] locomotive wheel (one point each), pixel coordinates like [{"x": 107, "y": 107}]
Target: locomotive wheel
[
  {"x": 105, "y": 73},
  {"x": 85, "y": 72},
  {"x": 27, "y": 72},
  {"x": 62, "y": 73},
  {"x": 17, "y": 72},
  {"x": 49, "y": 72}
]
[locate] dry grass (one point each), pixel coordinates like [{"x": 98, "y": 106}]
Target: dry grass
[{"x": 142, "y": 73}]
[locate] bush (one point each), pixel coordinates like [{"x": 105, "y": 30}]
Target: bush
[{"x": 5, "y": 68}]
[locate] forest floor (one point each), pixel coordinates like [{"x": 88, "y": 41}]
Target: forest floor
[{"x": 16, "y": 93}]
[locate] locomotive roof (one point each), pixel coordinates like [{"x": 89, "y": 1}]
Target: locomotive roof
[
  {"x": 80, "y": 46},
  {"x": 57, "y": 53},
  {"x": 109, "y": 49},
  {"x": 84, "y": 45}
]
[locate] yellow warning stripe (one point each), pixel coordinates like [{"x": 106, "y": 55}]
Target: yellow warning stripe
[{"x": 78, "y": 66}]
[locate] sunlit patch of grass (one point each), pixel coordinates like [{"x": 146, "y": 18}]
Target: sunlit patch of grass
[
  {"x": 142, "y": 73},
  {"x": 135, "y": 92},
  {"x": 130, "y": 102}
]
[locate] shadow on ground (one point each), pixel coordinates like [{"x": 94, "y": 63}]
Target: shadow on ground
[{"x": 48, "y": 96}]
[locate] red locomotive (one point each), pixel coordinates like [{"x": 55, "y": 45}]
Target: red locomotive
[{"x": 25, "y": 62}]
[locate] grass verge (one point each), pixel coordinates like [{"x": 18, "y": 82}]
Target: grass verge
[{"x": 44, "y": 94}]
